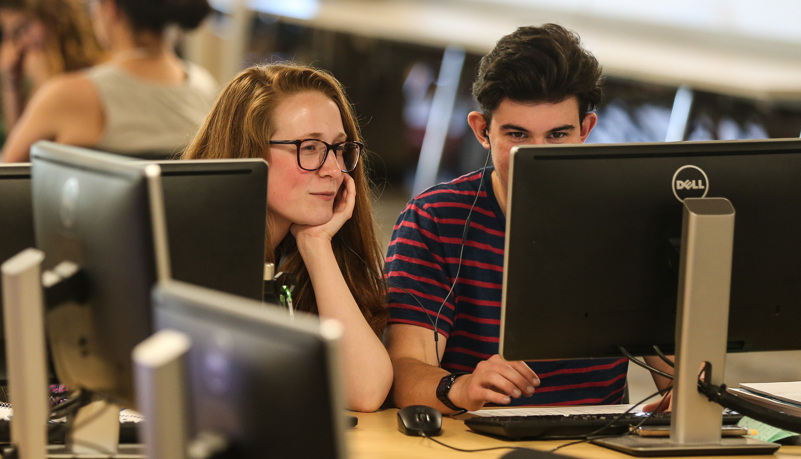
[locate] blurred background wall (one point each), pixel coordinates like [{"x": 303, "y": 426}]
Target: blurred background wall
[{"x": 698, "y": 69}]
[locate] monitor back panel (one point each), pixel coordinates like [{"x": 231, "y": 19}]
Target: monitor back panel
[
  {"x": 216, "y": 221},
  {"x": 16, "y": 226},
  {"x": 593, "y": 242},
  {"x": 267, "y": 384},
  {"x": 96, "y": 211}
]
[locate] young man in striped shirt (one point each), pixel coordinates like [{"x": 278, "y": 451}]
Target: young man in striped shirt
[{"x": 537, "y": 86}]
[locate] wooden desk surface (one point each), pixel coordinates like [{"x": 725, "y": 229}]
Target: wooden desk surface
[{"x": 377, "y": 436}]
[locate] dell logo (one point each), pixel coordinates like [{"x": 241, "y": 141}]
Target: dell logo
[
  {"x": 690, "y": 182},
  {"x": 690, "y": 185}
]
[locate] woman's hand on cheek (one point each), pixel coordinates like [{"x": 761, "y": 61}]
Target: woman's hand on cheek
[{"x": 343, "y": 210}]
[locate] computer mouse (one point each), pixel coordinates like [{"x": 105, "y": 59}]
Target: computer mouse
[{"x": 420, "y": 420}]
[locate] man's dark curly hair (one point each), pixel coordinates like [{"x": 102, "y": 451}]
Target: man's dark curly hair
[{"x": 538, "y": 64}]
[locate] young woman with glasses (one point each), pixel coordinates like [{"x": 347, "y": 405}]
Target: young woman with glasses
[{"x": 320, "y": 225}]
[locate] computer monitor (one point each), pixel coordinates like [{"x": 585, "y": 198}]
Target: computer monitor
[
  {"x": 216, "y": 214},
  {"x": 101, "y": 246},
  {"x": 266, "y": 384},
  {"x": 106, "y": 216},
  {"x": 16, "y": 217},
  {"x": 216, "y": 218},
  {"x": 594, "y": 241},
  {"x": 16, "y": 226}
]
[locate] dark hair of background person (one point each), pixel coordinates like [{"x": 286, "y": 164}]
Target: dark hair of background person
[
  {"x": 538, "y": 64},
  {"x": 156, "y": 15},
  {"x": 240, "y": 125}
]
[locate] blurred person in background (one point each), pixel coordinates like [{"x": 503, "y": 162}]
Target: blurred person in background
[
  {"x": 40, "y": 39},
  {"x": 144, "y": 100}
]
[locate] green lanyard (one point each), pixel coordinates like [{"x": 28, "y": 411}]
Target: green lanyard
[{"x": 285, "y": 296}]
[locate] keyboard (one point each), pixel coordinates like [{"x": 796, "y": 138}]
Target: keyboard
[
  {"x": 571, "y": 426},
  {"x": 129, "y": 432}
]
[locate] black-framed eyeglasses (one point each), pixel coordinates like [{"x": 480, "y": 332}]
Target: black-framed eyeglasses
[{"x": 312, "y": 153}]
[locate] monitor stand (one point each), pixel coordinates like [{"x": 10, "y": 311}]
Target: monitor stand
[
  {"x": 94, "y": 428},
  {"x": 159, "y": 363},
  {"x": 25, "y": 352},
  {"x": 701, "y": 332}
]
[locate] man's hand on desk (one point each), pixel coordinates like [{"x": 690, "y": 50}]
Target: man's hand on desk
[
  {"x": 494, "y": 380},
  {"x": 665, "y": 403},
  {"x": 664, "y": 384}
]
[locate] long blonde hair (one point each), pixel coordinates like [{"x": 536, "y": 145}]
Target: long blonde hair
[{"x": 240, "y": 125}]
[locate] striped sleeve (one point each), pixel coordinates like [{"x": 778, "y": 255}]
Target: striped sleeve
[{"x": 417, "y": 273}]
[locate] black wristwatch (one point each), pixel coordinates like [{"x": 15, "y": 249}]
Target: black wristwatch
[{"x": 444, "y": 387}]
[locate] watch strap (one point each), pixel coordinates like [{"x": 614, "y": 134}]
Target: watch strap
[{"x": 444, "y": 388}]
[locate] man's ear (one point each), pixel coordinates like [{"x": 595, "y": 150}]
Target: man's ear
[
  {"x": 479, "y": 126},
  {"x": 589, "y": 122}
]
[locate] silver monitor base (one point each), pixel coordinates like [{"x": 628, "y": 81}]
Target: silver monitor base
[
  {"x": 126, "y": 451},
  {"x": 659, "y": 447}
]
